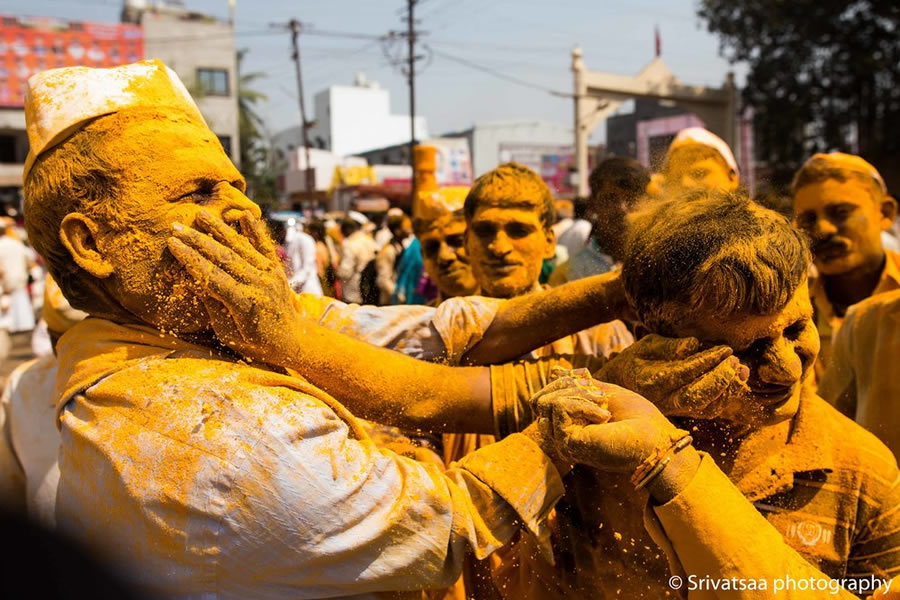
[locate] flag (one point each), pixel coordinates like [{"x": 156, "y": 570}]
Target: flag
[{"x": 657, "y": 40}]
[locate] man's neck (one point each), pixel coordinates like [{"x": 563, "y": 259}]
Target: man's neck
[
  {"x": 738, "y": 450},
  {"x": 846, "y": 289}
]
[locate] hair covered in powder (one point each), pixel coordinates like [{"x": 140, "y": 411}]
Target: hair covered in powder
[
  {"x": 512, "y": 185},
  {"x": 710, "y": 255}
]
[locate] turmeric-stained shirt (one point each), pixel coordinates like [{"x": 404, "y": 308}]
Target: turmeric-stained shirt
[
  {"x": 444, "y": 333},
  {"x": 207, "y": 477},
  {"x": 828, "y": 322},
  {"x": 863, "y": 370},
  {"x": 832, "y": 493}
]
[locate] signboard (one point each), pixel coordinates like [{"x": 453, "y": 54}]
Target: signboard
[
  {"x": 32, "y": 44},
  {"x": 553, "y": 163}
]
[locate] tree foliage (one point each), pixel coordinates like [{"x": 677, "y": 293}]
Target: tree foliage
[{"x": 823, "y": 75}]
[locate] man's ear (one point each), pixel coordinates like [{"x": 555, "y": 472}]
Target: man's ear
[
  {"x": 550, "y": 238},
  {"x": 78, "y": 234},
  {"x": 888, "y": 212}
]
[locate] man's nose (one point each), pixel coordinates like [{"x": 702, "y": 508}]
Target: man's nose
[
  {"x": 500, "y": 244},
  {"x": 230, "y": 198},
  {"x": 823, "y": 229},
  {"x": 445, "y": 254},
  {"x": 780, "y": 364}
]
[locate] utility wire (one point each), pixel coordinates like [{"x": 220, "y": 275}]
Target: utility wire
[{"x": 499, "y": 75}]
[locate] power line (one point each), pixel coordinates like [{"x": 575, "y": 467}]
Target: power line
[{"x": 500, "y": 75}]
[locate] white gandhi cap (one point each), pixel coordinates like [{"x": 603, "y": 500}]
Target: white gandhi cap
[{"x": 59, "y": 102}]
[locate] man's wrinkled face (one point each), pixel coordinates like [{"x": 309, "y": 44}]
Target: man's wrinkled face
[
  {"x": 843, "y": 221},
  {"x": 705, "y": 174},
  {"x": 180, "y": 171},
  {"x": 507, "y": 247},
  {"x": 778, "y": 349},
  {"x": 444, "y": 255}
]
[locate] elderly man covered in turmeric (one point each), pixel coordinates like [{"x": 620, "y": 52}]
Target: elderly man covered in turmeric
[
  {"x": 787, "y": 483},
  {"x": 203, "y": 474}
]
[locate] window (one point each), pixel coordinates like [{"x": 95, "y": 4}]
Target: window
[
  {"x": 225, "y": 140},
  {"x": 213, "y": 82}
]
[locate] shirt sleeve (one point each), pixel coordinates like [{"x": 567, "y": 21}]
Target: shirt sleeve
[
  {"x": 514, "y": 384},
  {"x": 725, "y": 538},
  {"x": 342, "y": 517},
  {"x": 444, "y": 333}
]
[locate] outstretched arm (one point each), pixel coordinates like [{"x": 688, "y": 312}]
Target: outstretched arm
[
  {"x": 251, "y": 307},
  {"x": 534, "y": 320}
]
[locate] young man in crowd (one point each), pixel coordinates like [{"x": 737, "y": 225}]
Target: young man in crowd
[
  {"x": 617, "y": 184},
  {"x": 841, "y": 203},
  {"x": 509, "y": 213},
  {"x": 819, "y": 492}
]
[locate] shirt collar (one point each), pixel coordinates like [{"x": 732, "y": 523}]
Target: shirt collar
[{"x": 889, "y": 280}]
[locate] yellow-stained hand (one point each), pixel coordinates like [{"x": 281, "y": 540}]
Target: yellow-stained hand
[
  {"x": 601, "y": 425},
  {"x": 677, "y": 376},
  {"x": 243, "y": 285}
]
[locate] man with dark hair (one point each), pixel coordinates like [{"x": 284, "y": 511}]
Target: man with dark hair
[
  {"x": 841, "y": 202},
  {"x": 617, "y": 184},
  {"x": 722, "y": 270}
]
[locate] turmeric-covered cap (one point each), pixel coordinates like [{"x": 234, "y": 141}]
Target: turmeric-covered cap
[
  {"x": 699, "y": 135},
  {"x": 844, "y": 162},
  {"x": 434, "y": 204},
  {"x": 58, "y": 102}
]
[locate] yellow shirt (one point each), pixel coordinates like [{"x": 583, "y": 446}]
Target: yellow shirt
[
  {"x": 864, "y": 359},
  {"x": 828, "y": 323},
  {"x": 201, "y": 475},
  {"x": 828, "y": 502}
]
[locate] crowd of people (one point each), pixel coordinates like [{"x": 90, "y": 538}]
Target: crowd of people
[{"x": 497, "y": 395}]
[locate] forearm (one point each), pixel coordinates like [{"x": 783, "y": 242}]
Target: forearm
[
  {"x": 534, "y": 320},
  {"x": 389, "y": 387},
  {"x": 711, "y": 530}
]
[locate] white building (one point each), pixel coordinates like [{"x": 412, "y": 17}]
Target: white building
[
  {"x": 490, "y": 141},
  {"x": 350, "y": 119}
]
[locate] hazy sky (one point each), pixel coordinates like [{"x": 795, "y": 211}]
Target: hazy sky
[{"x": 525, "y": 39}]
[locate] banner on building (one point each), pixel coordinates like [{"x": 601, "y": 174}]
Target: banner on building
[
  {"x": 553, "y": 163},
  {"x": 32, "y": 44}
]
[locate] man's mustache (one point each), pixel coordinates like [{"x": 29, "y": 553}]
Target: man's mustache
[{"x": 830, "y": 244}]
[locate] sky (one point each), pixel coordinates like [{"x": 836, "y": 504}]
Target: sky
[{"x": 521, "y": 39}]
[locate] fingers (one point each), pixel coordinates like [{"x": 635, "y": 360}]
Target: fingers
[
  {"x": 610, "y": 446},
  {"x": 256, "y": 231},
  {"x": 210, "y": 278},
  {"x": 230, "y": 238},
  {"x": 218, "y": 255},
  {"x": 704, "y": 397},
  {"x": 679, "y": 373},
  {"x": 657, "y": 347},
  {"x": 577, "y": 409}
]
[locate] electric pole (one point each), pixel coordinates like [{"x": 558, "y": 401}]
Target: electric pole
[
  {"x": 411, "y": 39},
  {"x": 295, "y": 27}
]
